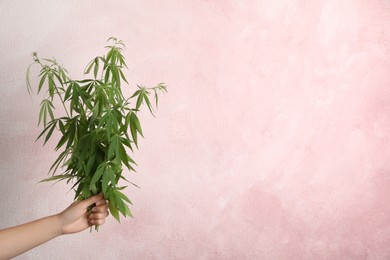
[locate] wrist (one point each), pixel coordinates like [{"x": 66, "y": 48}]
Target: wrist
[{"x": 57, "y": 224}]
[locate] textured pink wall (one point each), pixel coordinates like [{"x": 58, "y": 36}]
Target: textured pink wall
[{"x": 273, "y": 142}]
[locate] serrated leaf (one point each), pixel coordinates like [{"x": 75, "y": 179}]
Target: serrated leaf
[
  {"x": 133, "y": 131},
  {"x": 49, "y": 133},
  {"x": 122, "y": 177},
  {"x": 41, "y": 112},
  {"x": 123, "y": 76},
  {"x": 62, "y": 127},
  {"x": 58, "y": 161},
  {"x": 41, "y": 82},
  {"x": 90, "y": 163},
  {"x": 67, "y": 93},
  {"x": 113, "y": 210},
  {"x": 89, "y": 67},
  {"x": 28, "y": 83},
  {"x": 62, "y": 141},
  {"x": 71, "y": 131},
  {"x": 51, "y": 85},
  {"x": 122, "y": 154},
  {"x": 96, "y": 69},
  {"x": 57, "y": 177},
  {"x": 107, "y": 75},
  {"x": 123, "y": 196},
  {"x": 149, "y": 105},
  {"x": 139, "y": 100},
  {"x": 99, "y": 172},
  {"x": 134, "y": 120},
  {"x": 105, "y": 180},
  {"x": 44, "y": 130},
  {"x": 156, "y": 97},
  {"x": 49, "y": 109},
  {"x": 136, "y": 93}
]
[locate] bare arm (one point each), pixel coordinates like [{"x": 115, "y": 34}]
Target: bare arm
[{"x": 19, "y": 239}]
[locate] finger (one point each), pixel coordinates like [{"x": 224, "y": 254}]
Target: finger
[
  {"x": 97, "y": 216},
  {"x": 91, "y": 200},
  {"x": 100, "y": 209},
  {"x": 98, "y": 221},
  {"x": 101, "y": 202}
]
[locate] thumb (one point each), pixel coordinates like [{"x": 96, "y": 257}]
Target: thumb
[{"x": 91, "y": 200}]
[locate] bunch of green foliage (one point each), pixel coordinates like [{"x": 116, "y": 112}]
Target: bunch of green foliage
[{"x": 95, "y": 130}]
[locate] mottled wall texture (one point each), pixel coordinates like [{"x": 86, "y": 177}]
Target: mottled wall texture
[{"x": 272, "y": 143}]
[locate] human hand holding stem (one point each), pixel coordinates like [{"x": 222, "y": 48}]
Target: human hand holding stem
[
  {"x": 83, "y": 214},
  {"x": 75, "y": 218}
]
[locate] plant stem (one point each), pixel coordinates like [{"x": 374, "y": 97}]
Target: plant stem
[{"x": 63, "y": 103}]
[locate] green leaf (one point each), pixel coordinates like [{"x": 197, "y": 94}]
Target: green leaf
[
  {"x": 96, "y": 69},
  {"x": 108, "y": 176},
  {"x": 41, "y": 82},
  {"x": 112, "y": 147},
  {"x": 62, "y": 127},
  {"x": 49, "y": 60},
  {"x": 58, "y": 77},
  {"x": 105, "y": 180},
  {"x": 71, "y": 131},
  {"x": 57, "y": 177},
  {"x": 149, "y": 105},
  {"x": 112, "y": 178},
  {"x": 62, "y": 141},
  {"x": 109, "y": 54},
  {"x": 90, "y": 163},
  {"x": 123, "y": 196},
  {"x": 116, "y": 76},
  {"x": 113, "y": 210},
  {"x": 133, "y": 130},
  {"x": 99, "y": 172},
  {"x": 128, "y": 211},
  {"x": 44, "y": 130},
  {"x": 50, "y": 132},
  {"x": 132, "y": 161},
  {"x": 123, "y": 208},
  {"x": 123, "y": 155},
  {"x": 41, "y": 112},
  {"x": 58, "y": 161},
  {"x": 136, "y": 93},
  {"x": 89, "y": 67},
  {"x": 123, "y": 76},
  {"x": 128, "y": 140},
  {"x": 156, "y": 97},
  {"x": 28, "y": 83},
  {"x": 130, "y": 182},
  {"x": 49, "y": 109},
  {"x": 139, "y": 100},
  {"x": 107, "y": 75},
  {"x": 134, "y": 120},
  {"x": 67, "y": 93},
  {"x": 51, "y": 85}
]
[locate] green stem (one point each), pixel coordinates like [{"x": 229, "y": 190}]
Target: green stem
[{"x": 63, "y": 103}]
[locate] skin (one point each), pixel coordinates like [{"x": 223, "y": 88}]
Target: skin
[{"x": 19, "y": 239}]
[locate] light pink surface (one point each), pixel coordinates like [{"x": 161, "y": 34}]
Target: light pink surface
[{"x": 272, "y": 143}]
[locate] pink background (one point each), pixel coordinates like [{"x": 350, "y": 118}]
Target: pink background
[{"x": 272, "y": 143}]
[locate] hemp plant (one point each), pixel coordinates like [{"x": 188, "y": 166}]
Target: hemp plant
[{"x": 95, "y": 130}]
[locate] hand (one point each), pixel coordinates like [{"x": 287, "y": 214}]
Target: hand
[{"x": 75, "y": 218}]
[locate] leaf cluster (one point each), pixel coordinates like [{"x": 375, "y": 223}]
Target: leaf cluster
[{"x": 99, "y": 125}]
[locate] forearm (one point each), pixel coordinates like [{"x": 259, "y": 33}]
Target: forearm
[{"x": 17, "y": 240}]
